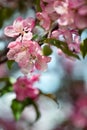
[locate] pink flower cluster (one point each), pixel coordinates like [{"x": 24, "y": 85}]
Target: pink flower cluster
[
  {"x": 23, "y": 88},
  {"x": 80, "y": 12},
  {"x": 79, "y": 117},
  {"x": 26, "y": 52},
  {"x": 69, "y": 15},
  {"x": 62, "y": 20},
  {"x": 65, "y": 12}
]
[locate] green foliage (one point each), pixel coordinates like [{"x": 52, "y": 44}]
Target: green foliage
[
  {"x": 5, "y": 13},
  {"x": 62, "y": 45},
  {"x": 47, "y": 50},
  {"x": 37, "y": 3},
  {"x": 7, "y": 87},
  {"x": 22, "y": 5},
  {"x": 35, "y": 36},
  {"x": 10, "y": 63},
  {"x": 18, "y": 107},
  {"x": 83, "y": 48}
]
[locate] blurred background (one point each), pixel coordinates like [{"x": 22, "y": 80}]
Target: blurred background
[{"x": 64, "y": 78}]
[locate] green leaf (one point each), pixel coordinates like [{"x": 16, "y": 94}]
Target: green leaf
[
  {"x": 35, "y": 36},
  {"x": 37, "y": 3},
  {"x": 5, "y": 90},
  {"x": 62, "y": 45},
  {"x": 5, "y": 13},
  {"x": 47, "y": 50},
  {"x": 18, "y": 107},
  {"x": 83, "y": 48},
  {"x": 10, "y": 63},
  {"x": 6, "y": 79},
  {"x": 7, "y": 87},
  {"x": 37, "y": 110}
]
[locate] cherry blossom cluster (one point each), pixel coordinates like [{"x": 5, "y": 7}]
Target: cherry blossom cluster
[
  {"x": 24, "y": 88},
  {"x": 69, "y": 15},
  {"x": 61, "y": 20},
  {"x": 26, "y": 52}
]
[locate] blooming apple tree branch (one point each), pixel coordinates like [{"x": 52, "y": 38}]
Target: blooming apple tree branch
[{"x": 62, "y": 22}]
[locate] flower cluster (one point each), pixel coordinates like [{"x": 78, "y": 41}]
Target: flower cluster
[
  {"x": 69, "y": 15},
  {"x": 23, "y": 88},
  {"x": 62, "y": 21},
  {"x": 28, "y": 54},
  {"x": 25, "y": 51}
]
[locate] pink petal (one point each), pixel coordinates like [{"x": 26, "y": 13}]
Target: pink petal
[
  {"x": 12, "y": 44},
  {"x": 18, "y": 24},
  {"x": 83, "y": 10},
  {"x": 81, "y": 21},
  {"x": 33, "y": 93},
  {"x": 27, "y": 36},
  {"x": 27, "y": 69},
  {"x": 76, "y": 3},
  {"x": 49, "y": 8},
  {"x": 60, "y": 7},
  {"x": 45, "y": 20},
  {"x": 56, "y": 34},
  {"x": 29, "y": 24},
  {"x": 9, "y": 31},
  {"x": 41, "y": 62}
]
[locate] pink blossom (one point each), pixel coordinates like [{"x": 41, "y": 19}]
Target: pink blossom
[
  {"x": 80, "y": 21},
  {"x": 80, "y": 10},
  {"x": 61, "y": 7},
  {"x": 49, "y": 9},
  {"x": 76, "y": 3},
  {"x": 23, "y": 88},
  {"x": 79, "y": 117},
  {"x": 55, "y": 10},
  {"x": 71, "y": 37},
  {"x": 67, "y": 12},
  {"x": 79, "y": 120},
  {"x": 28, "y": 55},
  {"x": 66, "y": 19},
  {"x": 41, "y": 62},
  {"x": 44, "y": 20},
  {"x": 66, "y": 15},
  {"x": 47, "y": 15},
  {"x": 20, "y": 27}
]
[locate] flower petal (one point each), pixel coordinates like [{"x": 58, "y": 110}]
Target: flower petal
[{"x": 9, "y": 31}]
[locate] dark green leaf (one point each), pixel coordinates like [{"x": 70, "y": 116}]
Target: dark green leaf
[
  {"x": 18, "y": 107},
  {"x": 7, "y": 87},
  {"x": 55, "y": 42},
  {"x": 47, "y": 50},
  {"x": 6, "y": 79},
  {"x": 5, "y": 13},
  {"x": 35, "y": 36},
  {"x": 10, "y": 63},
  {"x": 83, "y": 48},
  {"x": 37, "y": 3},
  {"x": 5, "y": 90},
  {"x": 37, "y": 110},
  {"x": 62, "y": 45}
]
